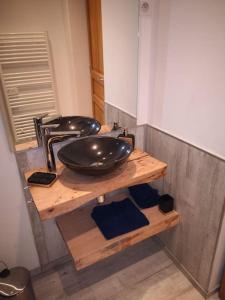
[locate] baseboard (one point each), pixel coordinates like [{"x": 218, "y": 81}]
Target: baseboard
[
  {"x": 187, "y": 274},
  {"x": 35, "y": 273},
  {"x": 50, "y": 266}
]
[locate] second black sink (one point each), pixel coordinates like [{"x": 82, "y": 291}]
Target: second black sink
[
  {"x": 84, "y": 126},
  {"x": 95, "y": 155}
]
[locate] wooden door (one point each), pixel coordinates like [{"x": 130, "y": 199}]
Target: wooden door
[
  {"x": 222, "y": 288},
  {"x": 96, "y": 57}
]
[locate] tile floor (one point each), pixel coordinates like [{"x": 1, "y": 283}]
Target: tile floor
[{"x": 142, "y": 272}]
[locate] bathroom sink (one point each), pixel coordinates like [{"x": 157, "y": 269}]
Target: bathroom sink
[
  {"x": 95, "y": 155},
  {"x": 81, "y": 126}
]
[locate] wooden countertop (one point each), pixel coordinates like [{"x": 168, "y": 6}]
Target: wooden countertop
[{"x": 72, "y": 190}]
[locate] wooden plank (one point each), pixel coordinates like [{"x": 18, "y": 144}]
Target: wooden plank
[
  {"x": 98, "y": 89},
  {"x": 26, "y": 146},
  {"x": 95, "y": 35},
  {"x": 86, "y": 243},
  {"x": 96, "y": 56},
  {"x": 222, "y": 288},
  {"x": 105, "y": 129},
  {"x": 98, "y": 102},
  {"x": 72, "y": 190},
  {"x": 98, "y": 110}
]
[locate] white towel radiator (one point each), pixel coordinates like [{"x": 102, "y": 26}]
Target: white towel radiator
[{"x": 27, "y": 79}]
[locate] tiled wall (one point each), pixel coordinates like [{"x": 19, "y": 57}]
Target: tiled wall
[
  {"x": 49, "y": 243},
  {"x": 113, "y": 114},
  {"x": 196, "y": 180}
]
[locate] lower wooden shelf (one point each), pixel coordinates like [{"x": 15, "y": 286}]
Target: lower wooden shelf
[{"x": 86, "y": 243}]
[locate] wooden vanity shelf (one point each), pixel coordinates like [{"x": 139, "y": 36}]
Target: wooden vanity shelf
[
  {"x": 70, "y": 199},
  {"x": 86, "y": 243},
  {"x": 72, "y": 190}
]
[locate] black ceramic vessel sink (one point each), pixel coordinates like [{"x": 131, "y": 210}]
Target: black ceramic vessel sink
[
  {"x": 95, "y": 155},
  {"x": 82, "y": 126}
]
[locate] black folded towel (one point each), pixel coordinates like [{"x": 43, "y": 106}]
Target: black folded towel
[
  {"x": 144, "y": 195},
  {"x": 118, "y": 218}
]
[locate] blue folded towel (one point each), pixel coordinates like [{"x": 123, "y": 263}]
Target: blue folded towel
[
  {"x": 144, "y": 195},
  {"x": 118, "y": 218}
]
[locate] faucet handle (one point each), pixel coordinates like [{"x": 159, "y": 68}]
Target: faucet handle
[
  {"x": 41, "y": 116},
  {"x": 49, "y": 126},
  {"x": 67, "y": 133},
  {"x": 37, "y": 126},
  {"x": 43, "y": 128}
]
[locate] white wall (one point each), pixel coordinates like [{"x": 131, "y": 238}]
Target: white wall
[
  {"x": 44, "y": 15},
  {"x": 146, "y": 59},
  {"x": 120, "y": 51},
  {"x": 78, "y": 30},
  {"x": 65, "y": 21},
  {"x": 188, "y": 97},
  {"x": 17, "y": 245},
  {"x": 183, "y": 44}
]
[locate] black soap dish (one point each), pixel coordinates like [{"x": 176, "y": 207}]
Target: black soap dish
[{"x": 42, "y": 179}]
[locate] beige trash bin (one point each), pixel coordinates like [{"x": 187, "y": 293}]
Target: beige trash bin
[{"x": 16, "y": 284}]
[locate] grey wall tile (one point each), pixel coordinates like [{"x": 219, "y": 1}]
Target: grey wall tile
[
  {"x": 113, "y": 114},
  {"x": 196, "y": 180},
  {"x": 21, "y": 158},
  {"x": 125, "y": 120}
]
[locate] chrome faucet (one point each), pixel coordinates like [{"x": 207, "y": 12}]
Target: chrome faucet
[
  {"x": 38, "y": 122},
  {"x": 49, "y": 138}
]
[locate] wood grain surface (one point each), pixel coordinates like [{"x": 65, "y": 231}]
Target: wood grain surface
[
  {"x": 86, "y": 243},
  {"x": 72, "y": 190}
]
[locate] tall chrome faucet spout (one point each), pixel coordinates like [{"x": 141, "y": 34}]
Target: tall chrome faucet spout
[
  {"x": 44, "y": 131},
  {"x": 60, "y": 129},
  {"x": 49, "y": 138},
  {"x": 38, "y": 122}
]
